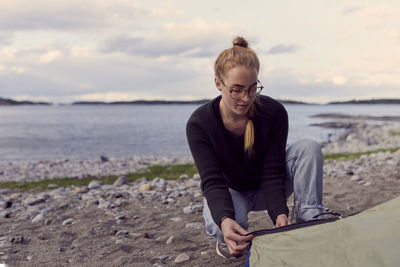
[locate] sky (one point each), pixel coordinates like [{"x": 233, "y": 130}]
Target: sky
[{"x": 120, "y": 50}]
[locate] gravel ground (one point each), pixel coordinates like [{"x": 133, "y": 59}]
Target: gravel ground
[{"x": 159, "y": 222}]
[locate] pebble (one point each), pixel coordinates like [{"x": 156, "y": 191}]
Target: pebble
[
  {"x": 195, "y": 225},
  {"x": 188, "y": 210},
  {"x": 176, "y": 219},
  {"x": 170, "y": 240},
  {"x": 104, "y": 158},
  {"x": 120, "y": 219},
  {"x": 38, "y": 218},
  {"x": 82, "y": 190},
  {"x": 68, "y": 221},
  {"x": 122, "y": 180},
  {"x": 145, "y": 188},
  {"x": 122, "y": 233},
  {"x": 5, "y": 214},
  {"x": 29, "y": 258},
  {"x": 183, "y": 257},
  {"x": 94, "y": 184},
  {"x": 16, "y": 239},
  {"x": 31, "y": 201},
  {"x": 184, "y": 176},
  {"x": 356, "y": 178},
  {"x": 163, "y": 257}
]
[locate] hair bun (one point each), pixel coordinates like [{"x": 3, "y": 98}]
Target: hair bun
[{"x": 240, "y": 41}]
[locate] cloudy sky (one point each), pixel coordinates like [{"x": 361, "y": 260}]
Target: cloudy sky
[{"x": 120, "y": 50}]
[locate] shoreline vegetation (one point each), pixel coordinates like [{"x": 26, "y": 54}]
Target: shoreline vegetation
[
  {"x": 168, "y": 172},
  {"x": 11, "y": 102}
]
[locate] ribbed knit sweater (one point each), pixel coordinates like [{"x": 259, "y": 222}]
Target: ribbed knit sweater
[{"x": 222, "y": 162}]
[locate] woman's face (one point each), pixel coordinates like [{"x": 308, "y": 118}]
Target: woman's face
[{"x": 235, "y": 79}]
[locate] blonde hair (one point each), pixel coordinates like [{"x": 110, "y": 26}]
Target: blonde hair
[{"x": 239, "y": 55}]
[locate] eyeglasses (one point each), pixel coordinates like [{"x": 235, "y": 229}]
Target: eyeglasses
[{"x": 238, "y": 93}]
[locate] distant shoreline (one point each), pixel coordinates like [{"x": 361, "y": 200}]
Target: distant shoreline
[{"x": 11, "y": 102}]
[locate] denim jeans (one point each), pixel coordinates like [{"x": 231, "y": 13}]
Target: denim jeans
[{"x": 304, "y": 162}]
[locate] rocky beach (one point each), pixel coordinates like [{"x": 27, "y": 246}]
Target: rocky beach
[{"x": 158, "y": 222}]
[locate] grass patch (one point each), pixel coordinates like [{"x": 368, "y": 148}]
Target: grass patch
[
  {"x": 350, "y": 156},
  {"x": 151, "y": 172},
  {"x": 393, "y": 133}
]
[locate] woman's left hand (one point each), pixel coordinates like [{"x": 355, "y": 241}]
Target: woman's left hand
[{"x": 282, "y": 220}]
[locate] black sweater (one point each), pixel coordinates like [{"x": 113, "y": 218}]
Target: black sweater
[{"x": 222, "y": 163}]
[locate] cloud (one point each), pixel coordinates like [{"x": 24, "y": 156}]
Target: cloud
[
  {"x": 196, "y": 38},
  {"x": 5, "y": 39},
  {"x": 49, "y": 56},
  {"x": 167, "y": 11},
  {"x": 351, "y": 10},
  {"x": 18, "y": 70},
  {"x": 323, "y": 86},
  {"x": 66, "y": 15},
  {"x": 282, "y": 48}
]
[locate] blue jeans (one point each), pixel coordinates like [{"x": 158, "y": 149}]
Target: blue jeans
[{"x": 304, "y": 162}]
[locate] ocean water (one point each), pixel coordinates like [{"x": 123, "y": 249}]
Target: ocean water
[{"x": 33, "y": 133}]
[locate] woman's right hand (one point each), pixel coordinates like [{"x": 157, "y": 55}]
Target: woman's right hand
[{"x": 234, "y": 233}]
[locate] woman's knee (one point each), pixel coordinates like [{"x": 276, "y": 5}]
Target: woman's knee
[{"x": 309, "y": 147}]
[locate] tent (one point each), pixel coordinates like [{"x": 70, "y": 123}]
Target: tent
[{"x": 370, "y": 238}]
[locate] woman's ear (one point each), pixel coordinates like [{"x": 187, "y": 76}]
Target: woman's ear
[{"x": 218, "y": 83}]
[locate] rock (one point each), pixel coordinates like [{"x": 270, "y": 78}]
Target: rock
[
  {"x": 184, "y": 176},
  {"x": 14, "y": 196},
  {"x": 121, "y": 181},
  {"x": 176, "y": 219},
  {"x": 29, "y": 258},
  {"x": 198, "y": 207},
  {"x": 195, "y": 225},
  {"x": 30, "y": 201},
  {"x": 16, "y": 239},
  {"x": 170, "y": 240},
  {"x": 38, "y": 218},
  {"x": 104, "y": 204},
  {"x": 81, "y": 190},
  {"x": 196, "y": 176},
  {"x": 188, "y": 210},
  {"x": 68, "y": 221},
  {"x": 5, "y": 204},
  {"x": 367, "y": 184},
  {"x": 120, "y": 219},
  {"x": 92, "y": 202},
  {"x": 119, "y": 241},
  {"x": 163, "y": 257},
  {"x": 104, "y": 158},
  {"x": 183, "y": 257},
  {"x": 356, "y": 178},
  {"x": 5, "y": 214},
  {"x": 94, "y": 184},
  {"x": 145, "y": 188},
  {"x": 122, "y": 233}
]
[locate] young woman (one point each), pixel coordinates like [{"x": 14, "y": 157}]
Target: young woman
[{"x": 238, "y": 142}]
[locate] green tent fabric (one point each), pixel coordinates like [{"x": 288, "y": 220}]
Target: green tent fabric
[{"x": 370, "y": 238}]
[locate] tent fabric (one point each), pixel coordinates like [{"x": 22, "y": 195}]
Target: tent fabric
[{"x": 370, "y": 238}]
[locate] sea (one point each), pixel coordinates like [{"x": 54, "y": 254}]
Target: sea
[{"x": 80, "y": 132}]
